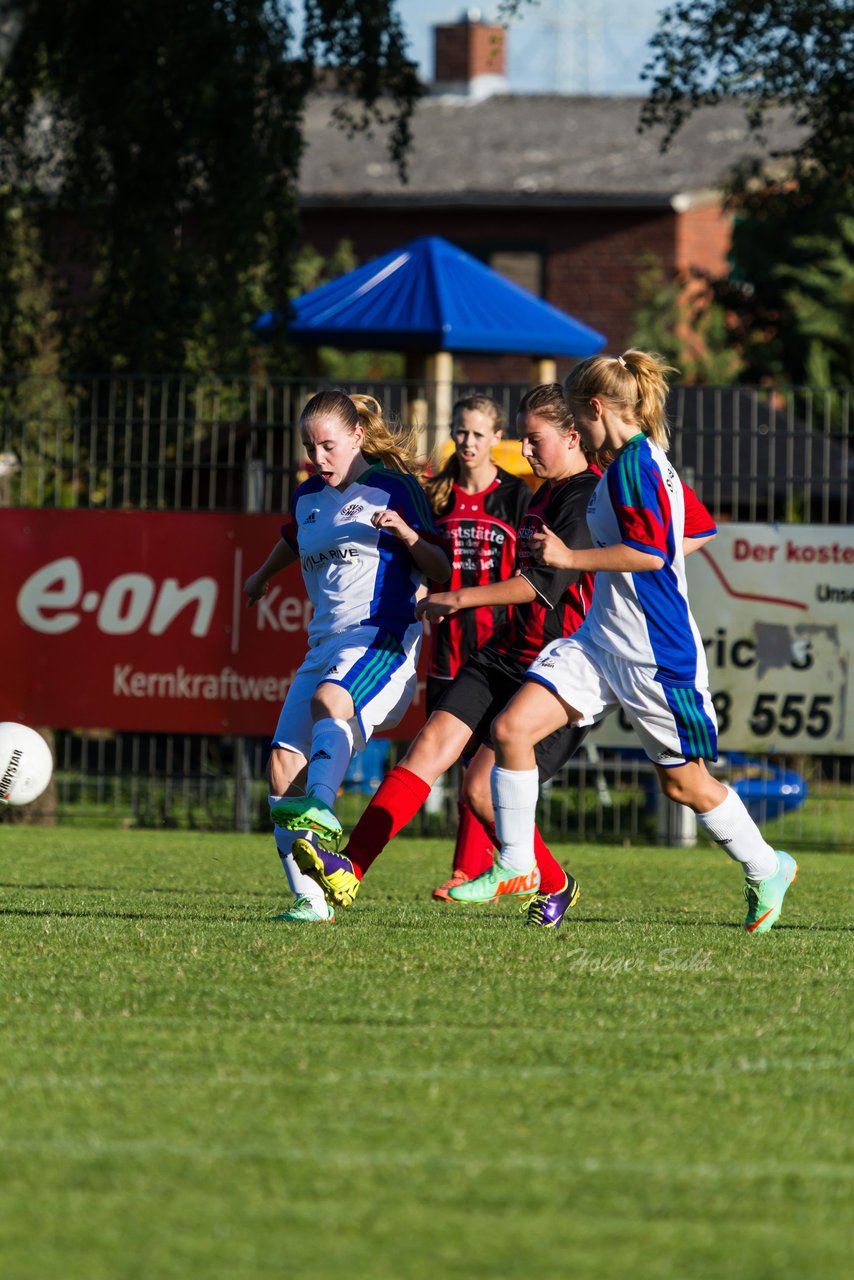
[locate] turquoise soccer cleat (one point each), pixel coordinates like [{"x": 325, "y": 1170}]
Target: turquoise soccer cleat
[
  {"x": 303, "y": 911},
  {"x": 307, "y": 813},
  {"x": 765, "y": 897},
  {"x": 495, "y": 883}
]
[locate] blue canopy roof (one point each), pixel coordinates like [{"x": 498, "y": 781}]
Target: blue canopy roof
[{"x": 431, "y": 296}]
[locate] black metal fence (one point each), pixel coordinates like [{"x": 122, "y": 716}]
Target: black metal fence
[{"x": 231, "y": 444}]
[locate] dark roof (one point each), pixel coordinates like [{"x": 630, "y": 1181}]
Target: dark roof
[
  {"x": 429, "y": 295},
  {"x": 534, "y": 149}
]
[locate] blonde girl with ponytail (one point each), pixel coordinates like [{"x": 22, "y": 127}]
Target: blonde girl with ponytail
[
  {"x": 364, "y": 534},
  {"x": 639, "y": 647}
]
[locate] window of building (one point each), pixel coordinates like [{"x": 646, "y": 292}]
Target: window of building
[{"x": 524, "y": 264}]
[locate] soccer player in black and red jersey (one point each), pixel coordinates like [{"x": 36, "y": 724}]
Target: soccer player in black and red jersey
[
  {"x": 477, "y": 507},
  {"x": 546, "y": 603}
]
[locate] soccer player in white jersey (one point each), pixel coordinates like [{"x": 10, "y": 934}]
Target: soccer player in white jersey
[
  {"x": 639, "y": 647},
  {"x": 363, "y": 531}
]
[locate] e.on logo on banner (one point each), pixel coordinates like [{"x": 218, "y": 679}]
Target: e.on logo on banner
[
  {"x": 136, "y": 620},
  {"x": 53, "y": 601}
]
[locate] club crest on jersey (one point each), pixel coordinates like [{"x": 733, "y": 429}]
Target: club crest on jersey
[
  {"x": 530, "y": 527},
  {"x": 352, "y": 509}
]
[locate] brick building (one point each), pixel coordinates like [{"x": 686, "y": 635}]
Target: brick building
[{"x": 561, "y": 194}]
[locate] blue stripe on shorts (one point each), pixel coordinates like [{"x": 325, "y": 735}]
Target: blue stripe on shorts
[
  {"x": 381, "y": 659},
  {"x": 698, "y": 736}
]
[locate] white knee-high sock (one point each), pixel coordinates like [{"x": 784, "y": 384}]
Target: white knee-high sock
[
  {"x": 331, "y": 751},
  {"x": 731, "y": 826},
  {"x": 303, "y": 886},
  {"x": 515, "y": 794}
]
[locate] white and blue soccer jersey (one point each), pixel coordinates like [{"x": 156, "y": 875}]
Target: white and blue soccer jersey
[
  {"x": 644, "y": 617},
  {"x": 356, "y": 575}
]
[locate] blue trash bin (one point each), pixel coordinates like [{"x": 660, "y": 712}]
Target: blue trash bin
[
  {"x": 368, "y": 768},
  {"x": 768, "y": 790}
]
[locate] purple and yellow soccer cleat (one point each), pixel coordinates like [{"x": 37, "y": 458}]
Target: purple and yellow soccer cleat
[
  {"x": 332, "y": 871},
  {"x": 547, "y": 910}
]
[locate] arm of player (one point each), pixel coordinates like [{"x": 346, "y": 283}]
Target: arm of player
[
  {"x": 279, "y": 558},
  {"x": 694, "y": 544},
  {"x": 443, "y": 604},
  {"x": 549, "y": 549},
  {"x": 430, "y": 557},
  {"x": 700, "y": 527}
]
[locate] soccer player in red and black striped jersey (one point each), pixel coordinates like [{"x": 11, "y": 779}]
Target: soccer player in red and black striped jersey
[
  {"x": 478, "y": 508},
  {"x": 544, "y": 602}
]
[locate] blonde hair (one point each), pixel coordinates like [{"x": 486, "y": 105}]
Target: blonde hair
[
  {"x": 440, "y": 487},
  {"x": 395, "y": 447},
  {"x": 633, "y": 385}
]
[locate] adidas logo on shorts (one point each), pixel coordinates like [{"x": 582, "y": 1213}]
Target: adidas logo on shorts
[{"x": 320, "y": 755}]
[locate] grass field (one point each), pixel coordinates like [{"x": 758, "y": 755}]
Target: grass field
[{"x": 192, "y": 1090}]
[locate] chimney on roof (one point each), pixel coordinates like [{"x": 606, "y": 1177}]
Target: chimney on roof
[{"x": 469, "y": 57}]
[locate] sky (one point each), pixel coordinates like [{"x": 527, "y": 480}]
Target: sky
[{"x": 555, "y": 46}]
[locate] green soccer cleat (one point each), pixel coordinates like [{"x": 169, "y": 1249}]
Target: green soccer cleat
[
  {"x": 307, "y": 813},
  {"x": 332, "y": 871},
  {"x": 765, "y": 897},
  {"x": 495, "y": 883},
  {"x": 303, "y": 911}
]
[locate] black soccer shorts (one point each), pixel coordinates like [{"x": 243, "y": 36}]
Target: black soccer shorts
[{"x": 482, "y": 687}]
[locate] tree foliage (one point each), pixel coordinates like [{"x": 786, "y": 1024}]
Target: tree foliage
[
  {"x": 683, "y": 321},
  {"x": 171, "y": 134},
  {"x": 796, "y": 54},
  {"x": 820, "y": 293},
  {"x": 778, "y": 227}
]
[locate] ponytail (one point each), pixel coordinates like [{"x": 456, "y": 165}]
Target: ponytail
[{"x": 633, "y": 385}]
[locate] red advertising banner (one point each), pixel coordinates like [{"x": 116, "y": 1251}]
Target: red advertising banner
[{"x": 137, "y": 621}]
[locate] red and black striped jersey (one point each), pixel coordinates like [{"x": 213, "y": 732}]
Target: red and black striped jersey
[
  {"x": 479, "y": 530},
  {"x": 563, "y": 595}
]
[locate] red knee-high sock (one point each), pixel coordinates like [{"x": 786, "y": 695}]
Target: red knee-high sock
[
  {"x": 552, "y": 874},
  {"x": 473, "y": 852},
  {"x": 401, "y": 794}
]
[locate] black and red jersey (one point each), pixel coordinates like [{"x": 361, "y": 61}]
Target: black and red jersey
[
  {"x": 563, "y": 595},
  {"x": 479, "y": 530}
]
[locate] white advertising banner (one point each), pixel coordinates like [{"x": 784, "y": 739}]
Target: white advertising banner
[{"x": 775, "y": 607}]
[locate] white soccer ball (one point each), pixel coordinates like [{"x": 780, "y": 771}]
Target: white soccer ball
[{"x": 26, "y": 764}]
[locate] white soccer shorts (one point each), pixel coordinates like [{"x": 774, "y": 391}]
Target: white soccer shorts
[
  {"x": 376, "y": 669},
  {"x": 674, "y": 721}
]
